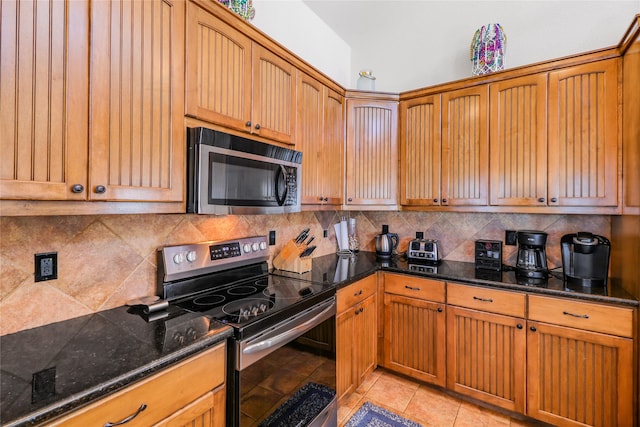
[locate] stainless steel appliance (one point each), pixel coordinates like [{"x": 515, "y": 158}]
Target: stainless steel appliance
[
  {"x": 228, "y": 174},
  {"x": 386, "y": 243},
  {"x": 424, "y": 250},
  {"x": 532, "y": 255},
  {"x": 281, "y": 363},
  {"x": 585, "y": 259}
]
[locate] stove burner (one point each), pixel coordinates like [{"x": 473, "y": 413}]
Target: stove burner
[
  {"x": 247, "y": 308},
  {"x": 243, "y": 290},
  {"x": 209, "y": 300}
]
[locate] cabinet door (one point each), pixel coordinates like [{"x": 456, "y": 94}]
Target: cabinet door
[
  {"x": 583, "y": 134},
  {"x": 578, "y": 378},
  {"x": 44, "y": 99},
  {"x": 372, "y": 157},
  {"x": 486, "y": 357},
  {"x": 420, "y": 151},
  {"x": 207, "y": 411},
  {"x": 414, "y": 338},
  {"x": 465, "y": 146},
  {"x": 137, "y": 138},
  {"x": 332, "y": 174},
  {"x": 218, "y": 71},
  {"x": 366, "y": 338},
  {"x": 631, "y": 122},
  {"x": 274, "y": 96},
  {"x": 345, "y": 357},
  {"x": 309, "y": 138},
  {"x": 518, "y": 161}
]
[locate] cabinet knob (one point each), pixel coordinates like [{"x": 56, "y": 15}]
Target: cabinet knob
[
  {"x": 435, "y": 200},
  {"x": 541, "y": 199},
  {"x": 349, "y": 199},
  {"x": 326, "y": 199},
  {"x": 248, "y": 124},
  {"x": 554, "y": 200},
  {"x": 533, "y": 329},
  {"x": 100, "y": 189},
  {"x": 519, "y": 326},
  {"x": 258, "y": 126},
  {"x": 440, "y": 310},
  {"x": 444, "y": 200},
  {"x": 77, "y": 188}
]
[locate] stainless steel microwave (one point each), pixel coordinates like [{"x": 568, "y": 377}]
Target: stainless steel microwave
[{"x": 228, "y": 174}]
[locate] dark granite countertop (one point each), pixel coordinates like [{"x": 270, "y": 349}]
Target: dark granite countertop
[
  {"x": 80, "y": 360},
  {"x": 343, "y": 270}
]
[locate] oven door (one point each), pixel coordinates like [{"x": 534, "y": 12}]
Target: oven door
[{"x": 287, "y": 373}]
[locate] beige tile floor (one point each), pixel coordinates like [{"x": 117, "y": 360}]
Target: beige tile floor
[{"x": 422, "y": 404}]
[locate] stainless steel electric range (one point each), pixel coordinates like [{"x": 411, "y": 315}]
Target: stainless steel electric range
[{"x": 281, "y": 361}]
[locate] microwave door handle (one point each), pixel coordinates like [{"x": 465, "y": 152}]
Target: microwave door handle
[{"x": 281, "y": 171}]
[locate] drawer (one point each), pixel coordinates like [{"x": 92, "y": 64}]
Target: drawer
[
  {"x": 583, "y": 315},
  {"x": 164, "y": 393},
  {"x": 415, "y": 287},
  {"x": 356, "y": 292},
  {"x": 485, "y": 299}
]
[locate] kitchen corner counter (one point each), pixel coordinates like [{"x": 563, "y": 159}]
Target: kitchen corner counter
[
  {"x": 341, "y": 271},
  {"x": 57, "y": 368}
]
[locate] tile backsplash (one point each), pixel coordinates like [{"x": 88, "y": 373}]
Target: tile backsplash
[{"x": 106, "y": 260}]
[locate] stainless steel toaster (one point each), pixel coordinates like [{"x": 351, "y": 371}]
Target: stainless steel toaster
[{"x": 425, "y": 250}]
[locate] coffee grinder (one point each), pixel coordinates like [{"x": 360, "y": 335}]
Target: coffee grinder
[
  {"x": 532, "y": 256},
  {"x": 585, "y": 259}
]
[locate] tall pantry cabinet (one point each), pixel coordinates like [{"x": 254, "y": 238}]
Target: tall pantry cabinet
[{"x": 110, "y": 131}]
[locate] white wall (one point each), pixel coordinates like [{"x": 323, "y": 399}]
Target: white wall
[
  {"x": 413, "y": 44},
  {"x": 295, "y": 26}
]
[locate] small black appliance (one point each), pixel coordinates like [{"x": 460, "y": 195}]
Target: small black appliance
[
  {"x": 488, "y": 255},
  {"x": 532, "y": 256},
  {"x": 585, "y": 259}
]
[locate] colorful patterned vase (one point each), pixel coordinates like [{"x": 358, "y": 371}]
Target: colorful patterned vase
[{"x": 488, "y": 49}]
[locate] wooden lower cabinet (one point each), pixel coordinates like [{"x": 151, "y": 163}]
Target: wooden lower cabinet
[
  {"x": 356, "y": 334},
  {"x": 487, "y": 357},
  {"x": 190, "y": 393},
  {"x": 415, "y": 338}
]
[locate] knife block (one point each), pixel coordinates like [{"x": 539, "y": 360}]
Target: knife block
[{"x": 289, "y": 259}]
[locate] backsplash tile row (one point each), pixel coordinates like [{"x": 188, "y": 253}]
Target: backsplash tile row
[{"x": 107, "y": 260}]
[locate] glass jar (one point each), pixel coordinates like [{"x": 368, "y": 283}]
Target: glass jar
[{"x": 366, "y": 81}]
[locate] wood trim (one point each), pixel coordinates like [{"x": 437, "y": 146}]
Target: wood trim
[{"x": 48, "y": 208}]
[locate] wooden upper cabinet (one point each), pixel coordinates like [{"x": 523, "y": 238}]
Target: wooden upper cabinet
[
  {"x": 420, "y": 145},
  {"x": 44, "y": 101},
  {"x": 320, "y": 137},
  {"x": 518, "y": 162},
  {"x": 583, "y": 134},
  {"x": 372, "y": 152},
  {"x": 631, "y": 121},
  {"x": 465, "y": 146},
  {"x": 236, "y": 83},
  {"x": 137, "y": 137}
]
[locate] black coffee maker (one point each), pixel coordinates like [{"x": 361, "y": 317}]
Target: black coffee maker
[
  {"x": 532, "y": 255},
  {"x": 585, "y": 259}
]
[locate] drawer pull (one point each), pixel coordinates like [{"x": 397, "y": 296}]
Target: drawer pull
[
  {"x": 582, "y": 316},
  {"x": 357, "y": 294},
  {"x": 129, "y": 418},
  {"x": 483, "y": 299},
  {"x": 411, "y": 288}
]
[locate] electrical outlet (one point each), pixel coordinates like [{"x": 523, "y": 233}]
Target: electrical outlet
[
  {"x": 272, "y": 237},
  {"x": 510, "y": 237},
  {"x": 46, "y": 266}
]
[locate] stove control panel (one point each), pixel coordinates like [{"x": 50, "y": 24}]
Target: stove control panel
[{"x": 182, "y": 261}]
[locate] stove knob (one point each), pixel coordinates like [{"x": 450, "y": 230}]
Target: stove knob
[
  {"x": 178, "y": 338},
  {"x": 191, "y": 256},
  {"x": 263, "y": 246},
  {"x": 246, "y": 247},
  {"x": 178, "y": 258},
  {"x": 263, "y": 308},
  {"x": 254, "y": 247},
  {"x": 192, "y": 334}
]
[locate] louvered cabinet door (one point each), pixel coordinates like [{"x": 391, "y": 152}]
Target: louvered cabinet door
[
  {"x": 414, "y": 338},
  {"x": 578, "y": 378},
  {"x": 366, "y": 338},
  {"x": 44, "y": 95},
  {"x": 218, "y": 71},
  {"x": 274, "y": 90},
  {"x": 332, "y": 174},
  {"x": 137, "y": 138},
  {"x": 486, "y": 357},
  {"x": 207, "y": 411},
  {"x": 518, "y": 162},
  {"x": 345, "y": 352},
  {"x": 583, "y": 134},
  {"x": 465, "y": 146},
  {"x": 420, "y": 151},
  {"x": 309, "y": 137},
  {"x": 372, "y": 156}
]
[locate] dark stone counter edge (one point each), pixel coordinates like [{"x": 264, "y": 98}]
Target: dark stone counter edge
[{"x": 77, "y": 401}]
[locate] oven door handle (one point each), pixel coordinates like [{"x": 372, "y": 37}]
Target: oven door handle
[{"x": 275, "y": 341}]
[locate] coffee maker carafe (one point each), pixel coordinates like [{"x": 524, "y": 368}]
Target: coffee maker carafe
[
  {"x": 585, "y": 259},
  {"x": 532, "y": 256}
]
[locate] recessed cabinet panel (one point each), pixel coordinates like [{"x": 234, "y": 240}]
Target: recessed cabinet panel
[
  {"x": 333, "y": 148},
  {"x": 309, "y": 137},
  {"x": 583, "y": 134},
  {"x": 518, "y": 160},
  {"x": 465, "y": 147}
]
